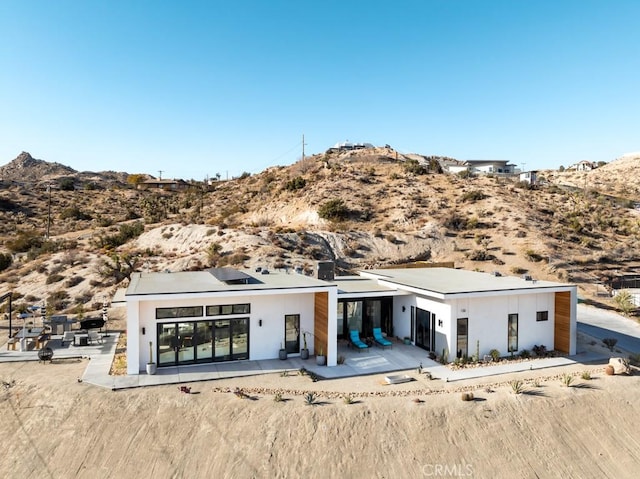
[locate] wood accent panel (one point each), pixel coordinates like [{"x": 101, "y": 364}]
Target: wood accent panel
[
  {"x": 562, "y": 323},
  {"x": 321, "y": 323}
]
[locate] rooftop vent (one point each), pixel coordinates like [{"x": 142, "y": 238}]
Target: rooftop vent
[
  {"x": 497, "y": 273},
  {"x": 325, "y": 270},
  {"x": 258, "y": 269},
  {"x": 526, "y": 277},
  {"x": 264, "y": 271}
]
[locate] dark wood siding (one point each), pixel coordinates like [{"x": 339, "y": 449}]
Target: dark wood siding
[
  {"x": 562, "y": 326},
  {"x": 321, "y": 324}
]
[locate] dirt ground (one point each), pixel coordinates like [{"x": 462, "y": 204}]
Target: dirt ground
[{"x": 54, "y": 426}]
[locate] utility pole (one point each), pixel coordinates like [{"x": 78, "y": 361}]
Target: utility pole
[
  {"x": 49, "y": 212},
  {"x": 160, "y": 173},
  {"x": 523, "y": 165},
  {"x": 302, "y": 163}
]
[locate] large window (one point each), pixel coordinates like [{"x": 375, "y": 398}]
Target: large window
[
  {"x": 292, "y": 333},
  {"x": 512, "y": 331},
  {"x": 462, "y": 345},
  {"x": 354, "y": 315},
  {"x": 226, "y": 309},
  {"x": 179, "y": 312}
]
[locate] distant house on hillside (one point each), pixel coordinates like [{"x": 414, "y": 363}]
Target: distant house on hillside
[
  {"x": 530, "y": 177},
  {"x": 494, "y": 167},
  {"x": 166, "y": 185},
  {"x": 347, "y": 146},
  {"x": 584, "y": 165}
]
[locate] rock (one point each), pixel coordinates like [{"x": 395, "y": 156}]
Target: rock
[{"x": 620, "y": 365}]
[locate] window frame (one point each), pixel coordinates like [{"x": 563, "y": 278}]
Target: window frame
[
  {"x": 542, "y": 315},
  {"x": 180, "y": 312},
  {"x": 228, "y": 309}
]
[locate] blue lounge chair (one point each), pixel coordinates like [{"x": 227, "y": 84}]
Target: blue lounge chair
[
  {"x": 354, "y": 335},
  {"x": 381, "y": 340}
]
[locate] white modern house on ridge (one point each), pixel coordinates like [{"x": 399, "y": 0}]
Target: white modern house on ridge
[{"x": 229, "y": 315}]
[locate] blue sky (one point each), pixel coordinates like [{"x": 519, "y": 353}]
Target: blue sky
[{"x": 196, "y": 88}]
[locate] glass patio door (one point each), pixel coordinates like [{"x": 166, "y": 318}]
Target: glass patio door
[
  {"x": 167, "y": 344},
  {"x": 222, "y": 340}
]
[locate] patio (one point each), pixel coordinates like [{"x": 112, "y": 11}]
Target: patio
[{"x": 66, "y": 350}]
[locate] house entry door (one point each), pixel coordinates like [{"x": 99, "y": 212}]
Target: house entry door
[{"x": 423, "y": 329}]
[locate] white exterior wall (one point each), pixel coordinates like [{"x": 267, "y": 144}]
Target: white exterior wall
[
  {"x": 264, "y": 341},
  {"x": 488, "y": 320},
  {"x": 402, "y": 319},
  {"x": 134, "y": 338},
  {"x": 444, "y": 333}
]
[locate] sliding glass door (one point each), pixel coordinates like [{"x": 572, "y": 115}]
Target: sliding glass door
[{"x": 203, "y": 341}]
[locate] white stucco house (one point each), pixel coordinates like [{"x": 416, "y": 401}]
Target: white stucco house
[
  {"x": 495, "y": 167},
  {"x": 229, "y": 315}
]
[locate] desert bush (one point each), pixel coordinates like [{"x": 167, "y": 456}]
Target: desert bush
[
  {"x": 540, "y": 351},
  {"x": 479, "y": 255},
  {"x": 467, "y": 396},
  {"x": 84, "y": 298},
  {"x": 473, "y": 196},
  {"x": 586, "y": 375},
  {"x": 125, "y": 233},
  {"x": 24, "y": 241},
  {"x": 517, "y": 386},
  {"x": 75, "y": 213},
  {"x": 455, "y": 222},
  {"x": 518, "y": 270},
  {"x": 73, "y": 281},
  {"x": 610, "y": 343},
  {"x": 67, "y": 184},
  {"x": 623, "y": 300},
  {"x": 296, "y": 183},
  {"x": 414, "y": 167},
  {"x": 54, "y": 278},
  {"x": 566, "y": 380},
  {"x": 5, "y": 261},
  {"x": 495, "y": 355},
  {"x": 533, "y": 256},
  {"x": 348, "y": 399},
  {"x": 333, "y": 210},
  {"x": 58, "y": 300},
  {"x": 233, "y": 259},
  {"x": 310, "y": 398}
]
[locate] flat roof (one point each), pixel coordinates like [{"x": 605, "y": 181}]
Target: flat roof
[
  {"x": 456, "y": 281},
  {"x": 204, "y": 282},
  {"x": 360, "y": 285}
]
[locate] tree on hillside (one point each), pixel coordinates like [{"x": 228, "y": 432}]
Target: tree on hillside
[
  {"x": 136, "y": 178},
  {"x": 119, "y": 267},
  {"x": 624, "y": 301}
]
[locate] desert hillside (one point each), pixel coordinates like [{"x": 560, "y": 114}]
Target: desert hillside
[{"x": 365, "y": 208}]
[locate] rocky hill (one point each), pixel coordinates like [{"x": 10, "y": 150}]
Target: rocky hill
[
  {"x": 26, "y": 169},
  {"x": 361, "y": 209}
]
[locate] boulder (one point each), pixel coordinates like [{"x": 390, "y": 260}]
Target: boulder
[{"x": 620, "y": 365}]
